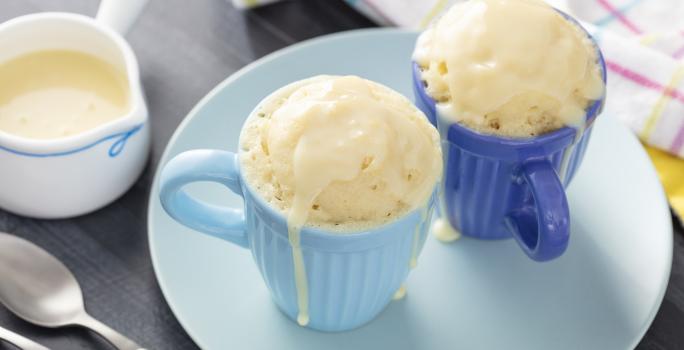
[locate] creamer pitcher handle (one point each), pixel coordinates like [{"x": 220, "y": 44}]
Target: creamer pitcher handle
[{"x": 119, "y": 14}]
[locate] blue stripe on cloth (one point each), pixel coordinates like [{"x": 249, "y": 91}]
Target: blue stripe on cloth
[{"x": 622, "y": 10}]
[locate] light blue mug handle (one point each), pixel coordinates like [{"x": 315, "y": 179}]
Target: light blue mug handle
[
  {"x": 204, "y": 165},
  {"x": 542, "y": 228}
]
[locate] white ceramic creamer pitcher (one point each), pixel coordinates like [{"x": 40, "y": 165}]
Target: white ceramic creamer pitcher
[{"x": 73, "y": 175}]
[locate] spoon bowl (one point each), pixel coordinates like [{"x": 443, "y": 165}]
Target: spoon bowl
[{"x": 40, "y": 289}]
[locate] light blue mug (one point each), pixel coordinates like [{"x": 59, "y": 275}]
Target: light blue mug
[{"x": 351, "y": 277}]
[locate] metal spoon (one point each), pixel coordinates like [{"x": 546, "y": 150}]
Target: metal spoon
[
  {"x": 20, "y": 341},
  {"x": 40, "y": 289}
]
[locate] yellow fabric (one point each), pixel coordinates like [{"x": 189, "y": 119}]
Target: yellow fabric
[{"x": 671, "y": 172}]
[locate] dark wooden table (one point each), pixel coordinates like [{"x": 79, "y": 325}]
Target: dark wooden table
[{"x": 185, "y": 48}]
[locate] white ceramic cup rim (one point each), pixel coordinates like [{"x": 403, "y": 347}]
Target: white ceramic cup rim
[{"x": 119, "y": 125}]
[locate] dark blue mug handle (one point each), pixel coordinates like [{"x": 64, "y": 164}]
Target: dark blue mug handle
[{"x": 542, "y": 228}]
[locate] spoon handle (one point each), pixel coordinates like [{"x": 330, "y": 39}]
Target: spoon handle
[
  {"x": 20, "y": 341},
  {"x": 113, "y": 337}
]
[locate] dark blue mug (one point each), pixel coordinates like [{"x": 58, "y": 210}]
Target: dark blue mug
[{"x": 497, "y": 187}]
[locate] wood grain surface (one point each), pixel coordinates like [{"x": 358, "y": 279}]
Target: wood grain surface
[{"x": 185, "y": 48}]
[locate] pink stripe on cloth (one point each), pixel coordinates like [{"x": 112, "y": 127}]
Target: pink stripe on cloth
[
  {"x": 643, "y": 80},
  {"x": 620, "y": 17},
  {"x": 678, "y": 141},
  {"x": 679, "y": 53}
]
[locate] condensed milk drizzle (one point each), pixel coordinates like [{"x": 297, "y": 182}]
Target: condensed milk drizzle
[
  {"x": 58, "y": 93},
  {"x": 491, "y": 82},
  {"x": 301, "y": 283},
  {"x": 364, "y": 129},
  {"x": 400, "y": 293}
]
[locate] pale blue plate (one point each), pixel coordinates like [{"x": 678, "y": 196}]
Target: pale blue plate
[{"x": 602, "y": 294}]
